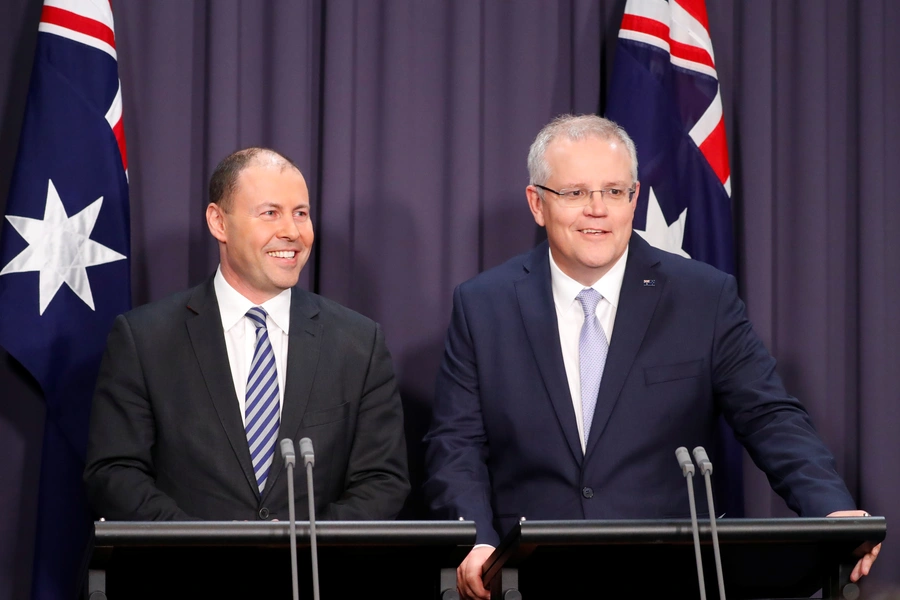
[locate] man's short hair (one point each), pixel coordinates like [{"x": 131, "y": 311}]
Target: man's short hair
[
  {"x": 223, "y": 182},
  {"x": 574, "y": 128}
]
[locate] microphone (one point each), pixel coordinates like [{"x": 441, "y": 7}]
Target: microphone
[
  {"x": 306, "y": 451},
  {"x": 290, "y": 459},
  {"x": 309, "y": 460},
  {"x": 706, "y": 469},
  {"x": 687, "y": 469}
]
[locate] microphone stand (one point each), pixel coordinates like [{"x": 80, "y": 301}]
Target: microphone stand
[
  {"x": 287, "y": 452},
  {"x": 706, "y": 468},
  {"x": 687, "y": 469},
  {"x": 309, "y": 459}
]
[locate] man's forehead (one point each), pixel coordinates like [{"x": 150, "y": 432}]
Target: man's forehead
[
  {"x": 590, "y": 154},
  {"x": 565, "y": 144},
  {"x": 269, "y": 171},
  {"x": 271, "y": 184}
]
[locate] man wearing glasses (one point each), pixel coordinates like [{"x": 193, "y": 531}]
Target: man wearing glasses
[{"x": 572, "y": 372}]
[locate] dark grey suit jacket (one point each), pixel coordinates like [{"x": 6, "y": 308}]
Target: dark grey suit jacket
[{"x": 167, "y": 440}]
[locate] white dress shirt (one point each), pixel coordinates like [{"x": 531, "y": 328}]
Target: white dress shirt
[
  {"x": 570, "y": 318},
  {"x": 240, "y": 334}
]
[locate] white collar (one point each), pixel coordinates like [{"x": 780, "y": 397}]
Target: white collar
[
  {"x": 233, "y": 306},
  {"x": 566, "y": 289}
]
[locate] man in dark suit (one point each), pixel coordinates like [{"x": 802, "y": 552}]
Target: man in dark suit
[
  {"x": 572, "y": 372},
  {"x": 196, "y": 390}
]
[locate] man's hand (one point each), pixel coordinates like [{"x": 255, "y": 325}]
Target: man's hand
[
  {"x": 468, "y": 574},
  {"x": 865, "y": 563}
]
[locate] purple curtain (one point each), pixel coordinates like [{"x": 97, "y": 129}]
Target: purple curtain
[{"x": 411, "y": 120}]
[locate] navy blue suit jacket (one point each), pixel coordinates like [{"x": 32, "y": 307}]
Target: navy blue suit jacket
[{"x": 504, "y": 443}]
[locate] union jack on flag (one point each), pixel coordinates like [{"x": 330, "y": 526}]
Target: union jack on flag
[
  {"x": 665, "y": 93},
  {"x": 64, "y": 268}
]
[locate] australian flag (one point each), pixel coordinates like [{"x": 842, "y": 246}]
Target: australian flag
[
  {"x": 665, "y": 93},
  {"x": 64, "y": 268}
]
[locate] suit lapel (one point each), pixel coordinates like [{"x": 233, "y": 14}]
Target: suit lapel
[
  {"x": 208, "y": 342},
  {"x": 637, "y": 303},
  {"x": 535, "y": 296},
  {"x": 304, "y": 343}
]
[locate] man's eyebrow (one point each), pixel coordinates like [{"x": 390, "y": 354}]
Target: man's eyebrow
[
  {"x": 617, "y": 183},
  {"x": 272, "y": 204}
]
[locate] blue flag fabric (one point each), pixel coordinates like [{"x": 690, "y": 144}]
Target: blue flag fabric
[
  {"x": 64, "y": 271},
  {"x": 665, "y": 93}
]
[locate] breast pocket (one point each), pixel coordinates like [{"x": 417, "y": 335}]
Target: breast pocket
[
  {"x": 664, "y": 373},
  {"x": 325, "y": 416}
]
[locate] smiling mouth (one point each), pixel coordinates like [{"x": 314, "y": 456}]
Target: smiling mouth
[
  {"x": 593, "y": 231},
  {"x": 283, "y": 253}
]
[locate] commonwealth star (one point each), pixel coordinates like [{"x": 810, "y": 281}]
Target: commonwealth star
[{"x": 60, "y": 248}]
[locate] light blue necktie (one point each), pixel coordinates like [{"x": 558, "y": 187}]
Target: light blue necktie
[
  {"x": 261, "y": 416},
  {"x": 592, "y": 350}
]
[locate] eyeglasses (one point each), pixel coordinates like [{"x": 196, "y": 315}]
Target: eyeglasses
[{"x": 577, "y": 197}]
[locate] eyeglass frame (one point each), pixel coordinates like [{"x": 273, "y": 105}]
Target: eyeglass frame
[{"x": 590, "y": 194}]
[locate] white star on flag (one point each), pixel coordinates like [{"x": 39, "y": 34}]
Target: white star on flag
[
  {"x": 659, "y": 233},
  {"x": 60, "y": 248}
]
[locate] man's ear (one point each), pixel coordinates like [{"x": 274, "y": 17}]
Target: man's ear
[
  {"x": 536, "y": 204},
  {"x": 215, "y": 220},
  {"x": 634, "y": 199}
]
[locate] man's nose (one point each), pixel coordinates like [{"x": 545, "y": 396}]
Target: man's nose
[
  {"x": 596, "y": 205},
  {"x": 288, "y": 229}
]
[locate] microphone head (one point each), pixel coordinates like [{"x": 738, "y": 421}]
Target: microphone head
[
  {"x": 684, "y": 460},
  {"x": 287, "y": 451},
  {"x": 306, "y": 451},
  {"x": 702, "y": 460}
]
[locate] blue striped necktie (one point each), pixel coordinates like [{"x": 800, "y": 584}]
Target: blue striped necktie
[
  {"x": 261, "y": 418},
  {"x": 592, "y": 350}
]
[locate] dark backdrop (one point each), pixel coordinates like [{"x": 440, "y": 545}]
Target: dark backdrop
[{"x": 412, "y": 119}]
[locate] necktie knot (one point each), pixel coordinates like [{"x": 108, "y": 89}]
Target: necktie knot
[
  {"x": 589, "y": 298},
  {"x": 257, "y": 316}
]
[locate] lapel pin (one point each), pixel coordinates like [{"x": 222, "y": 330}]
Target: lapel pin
[{"x": 649, "y": 283}]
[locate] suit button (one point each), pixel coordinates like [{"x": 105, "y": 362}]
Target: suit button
[
  {"x": 264, "y": 513},
  {"x": 587, "y": 492}
]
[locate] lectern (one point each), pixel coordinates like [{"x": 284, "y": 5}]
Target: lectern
[
  {"x": 357, "y": 559},
  {"x": 761, "y": 558}
]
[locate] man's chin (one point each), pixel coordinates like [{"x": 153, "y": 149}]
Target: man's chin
[
  {"x": 598, "y": 261},
  {"x": 278, "y": 282},
  {"x": 287, "y": 284}
]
